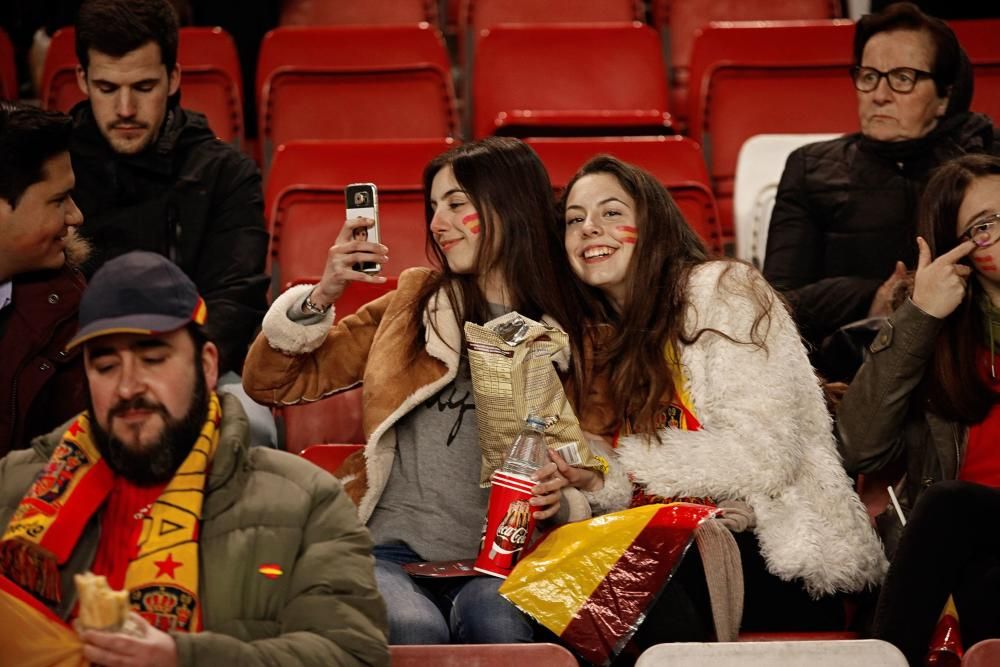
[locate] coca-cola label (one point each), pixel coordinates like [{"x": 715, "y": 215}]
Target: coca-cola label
[{"x": 509, "y": 524}]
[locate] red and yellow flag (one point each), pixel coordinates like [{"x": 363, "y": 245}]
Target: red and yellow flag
[
  {"x": 591, "y": 582},
  {"x": 31, "y": 635}
]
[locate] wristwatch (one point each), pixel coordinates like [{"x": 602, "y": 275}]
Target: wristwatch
[{"x": 310, "y": 307}]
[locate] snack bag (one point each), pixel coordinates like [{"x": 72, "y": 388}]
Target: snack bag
[{"x": 513, "y": 375}]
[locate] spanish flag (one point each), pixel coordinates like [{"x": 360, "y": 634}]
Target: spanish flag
[
  {"x": 592, "y": 582},
  {"x": 31, "y": 635}
]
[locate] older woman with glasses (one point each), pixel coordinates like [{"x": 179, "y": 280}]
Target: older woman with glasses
[
  {"x": 926, "y": 403},
  {"x": 841, "y": 234}
]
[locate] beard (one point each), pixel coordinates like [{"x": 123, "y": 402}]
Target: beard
[{"x": 156, "y": 462}]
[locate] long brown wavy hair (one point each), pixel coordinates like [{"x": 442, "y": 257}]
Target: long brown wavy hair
[
  {"x": 953, "y": 384},
  {"x": 521, "y": 237},
  {"x": 629, "y": 345}
]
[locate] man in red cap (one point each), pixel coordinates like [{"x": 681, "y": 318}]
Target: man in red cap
[{"x": 230, "y": 554}]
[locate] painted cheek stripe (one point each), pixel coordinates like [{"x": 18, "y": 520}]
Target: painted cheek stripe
[
  {"x": 628, "y": 233},
  {"x": 471, "y": 222}
]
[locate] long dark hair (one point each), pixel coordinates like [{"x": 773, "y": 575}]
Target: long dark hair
[
  {"x": 630, "y": 351},
  {"x": 953, "y": 384},
  {"x": 521, "y": 238}
]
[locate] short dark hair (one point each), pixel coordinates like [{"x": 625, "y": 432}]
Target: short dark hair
[
  {"x": 949, "y": 61},
  {"x": 116, "y": 27},
  {"x": 29, "y": 137}
]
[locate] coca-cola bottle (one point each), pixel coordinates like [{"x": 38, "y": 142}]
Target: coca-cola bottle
[
  {"x": 529, "y": 452},
  {"x": 510, "y": 515}
]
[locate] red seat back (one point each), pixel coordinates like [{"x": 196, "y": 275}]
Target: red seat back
[
  {"x": 983, "y": 654},
  {"x": 357, "y": 12},
  {"x": 210, "y": 77},
  {"x": 680, "y": 20},
  {"x": 979, "y": 39},
  {"x": 390, "y": 82},
  {"x": 481, "y": 655},
  {"x": 765, "y": 78},
  {"x": 304, "y": 200},
  {"x": 676, "y": 162},
  {"x": 554, "y": 79},
  {"x": 329, "y": 456},
  {"x": 8, "y": 69}
]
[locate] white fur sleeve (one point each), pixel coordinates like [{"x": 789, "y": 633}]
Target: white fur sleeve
[
  {"x": 758, "y": 408},
  {"x": 294, "y": 337}
]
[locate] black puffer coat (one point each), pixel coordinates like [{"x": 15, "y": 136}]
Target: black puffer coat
[
  {"x": 846, "y": 211},
  {"x": 189, "y": 197}
]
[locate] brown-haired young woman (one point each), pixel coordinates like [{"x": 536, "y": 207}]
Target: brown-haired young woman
[
  {"x": 492, "y": 231},
  {"x": 925, "y": 402},
  {"x": 716, "y": 397}
]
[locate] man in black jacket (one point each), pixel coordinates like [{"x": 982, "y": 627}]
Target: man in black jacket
[{"x": 151, "y": 175}]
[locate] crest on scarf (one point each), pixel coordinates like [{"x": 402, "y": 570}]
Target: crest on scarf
[{"x": 166, "y": 607}]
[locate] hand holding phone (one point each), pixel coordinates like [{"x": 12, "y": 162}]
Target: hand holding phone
[{"x": 362, "y": 202}]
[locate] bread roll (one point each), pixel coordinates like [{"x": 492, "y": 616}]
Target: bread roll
[{"x": 100, "y": 607}]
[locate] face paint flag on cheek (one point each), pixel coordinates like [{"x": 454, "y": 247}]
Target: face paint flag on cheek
[
  {"x": 627, "y": 233},
  {"x": 471, "y": 222}
]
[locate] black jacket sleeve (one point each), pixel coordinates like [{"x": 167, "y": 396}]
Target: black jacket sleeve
[
  {"x": 231, "y": 261},
  {"x": 794, "y": 262}
]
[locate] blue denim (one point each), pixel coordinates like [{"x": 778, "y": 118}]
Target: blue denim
[{"x": 463, "y": 610}]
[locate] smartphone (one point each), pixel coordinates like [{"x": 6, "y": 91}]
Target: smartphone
[{"x": 362, "y": 202}]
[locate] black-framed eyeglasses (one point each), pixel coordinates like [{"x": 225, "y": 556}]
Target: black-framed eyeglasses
[
  {"x": 901, "y": 79},
  {"x": 984, "y": 232}
]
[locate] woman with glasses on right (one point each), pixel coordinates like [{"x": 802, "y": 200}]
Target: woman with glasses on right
[
  {"x": 841, "y": 234},
  {"x": 926, "y": 403}
]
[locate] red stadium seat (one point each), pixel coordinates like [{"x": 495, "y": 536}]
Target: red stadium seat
[
  {"x": 983, "y": 654},
  {"x": 8, "y": 70},
  {"x": 329, "y": 456},
  {"x": 389, "y": 82},
  {"x": 481, "y": 655},
  {"x": 557, "y": 80},
  {"x": 357, "y": 12},
  {"x": 478, "y": 15},
  {"x": 676, "y": 161},
  {"x": 979, "y": 39},
  {"x": 304, "y": 200},
  {"x": 210, "y": 78},
  {"x": 679, "y": 20},
  {"x": 765, "y": 78},
  {"x": 336, "y": 418}
]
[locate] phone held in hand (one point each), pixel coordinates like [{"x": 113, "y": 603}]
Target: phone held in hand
[{"x": 362, "y": 202}]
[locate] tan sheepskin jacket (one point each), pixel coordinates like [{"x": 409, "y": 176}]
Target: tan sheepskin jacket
[{"x": 291, "y": 362}]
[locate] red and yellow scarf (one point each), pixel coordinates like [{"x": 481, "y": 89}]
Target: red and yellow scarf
[
  {"x": 678, "y": 414},
  {"x": 162, "y": 574}
]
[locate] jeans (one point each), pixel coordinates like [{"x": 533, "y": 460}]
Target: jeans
[
  {"x": 263, "y": 431},
  {"x": 463, "y": 610}
]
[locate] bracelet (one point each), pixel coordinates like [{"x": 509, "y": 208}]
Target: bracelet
[{"x": 311, "y": 307}]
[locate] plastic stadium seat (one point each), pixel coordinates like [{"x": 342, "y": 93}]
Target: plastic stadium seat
[
  {"x": 210, "y": 78},
  {"x": 478, "y": 15},
  {"x": 759, "y": 167},
  {"x": 304, "y": 200},
  {"x": 979, "y": 39},
  {"x": 679, "y": 20},
  {"x": 336, "y": 418},
  {"x": 481, "y": 655},
  {"x": 329, "y": 456},
  {"x": 557, "y": 80},
  {"x": 676, "y": 161},
  {"x": 391, "y": 82},
  {"x": 867, "y": 652},
  {"x": 983, "y": 654},
  {"x": 767, "y": 78},
  {"x": 357, "y": 12},
  {"x": 8, "y": 70}
]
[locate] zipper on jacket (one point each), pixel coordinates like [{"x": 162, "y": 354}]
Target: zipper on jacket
[{"x": 173, "y": 233}]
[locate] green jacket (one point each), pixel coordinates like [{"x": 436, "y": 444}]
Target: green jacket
[{"x": 261, "y": 507}]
